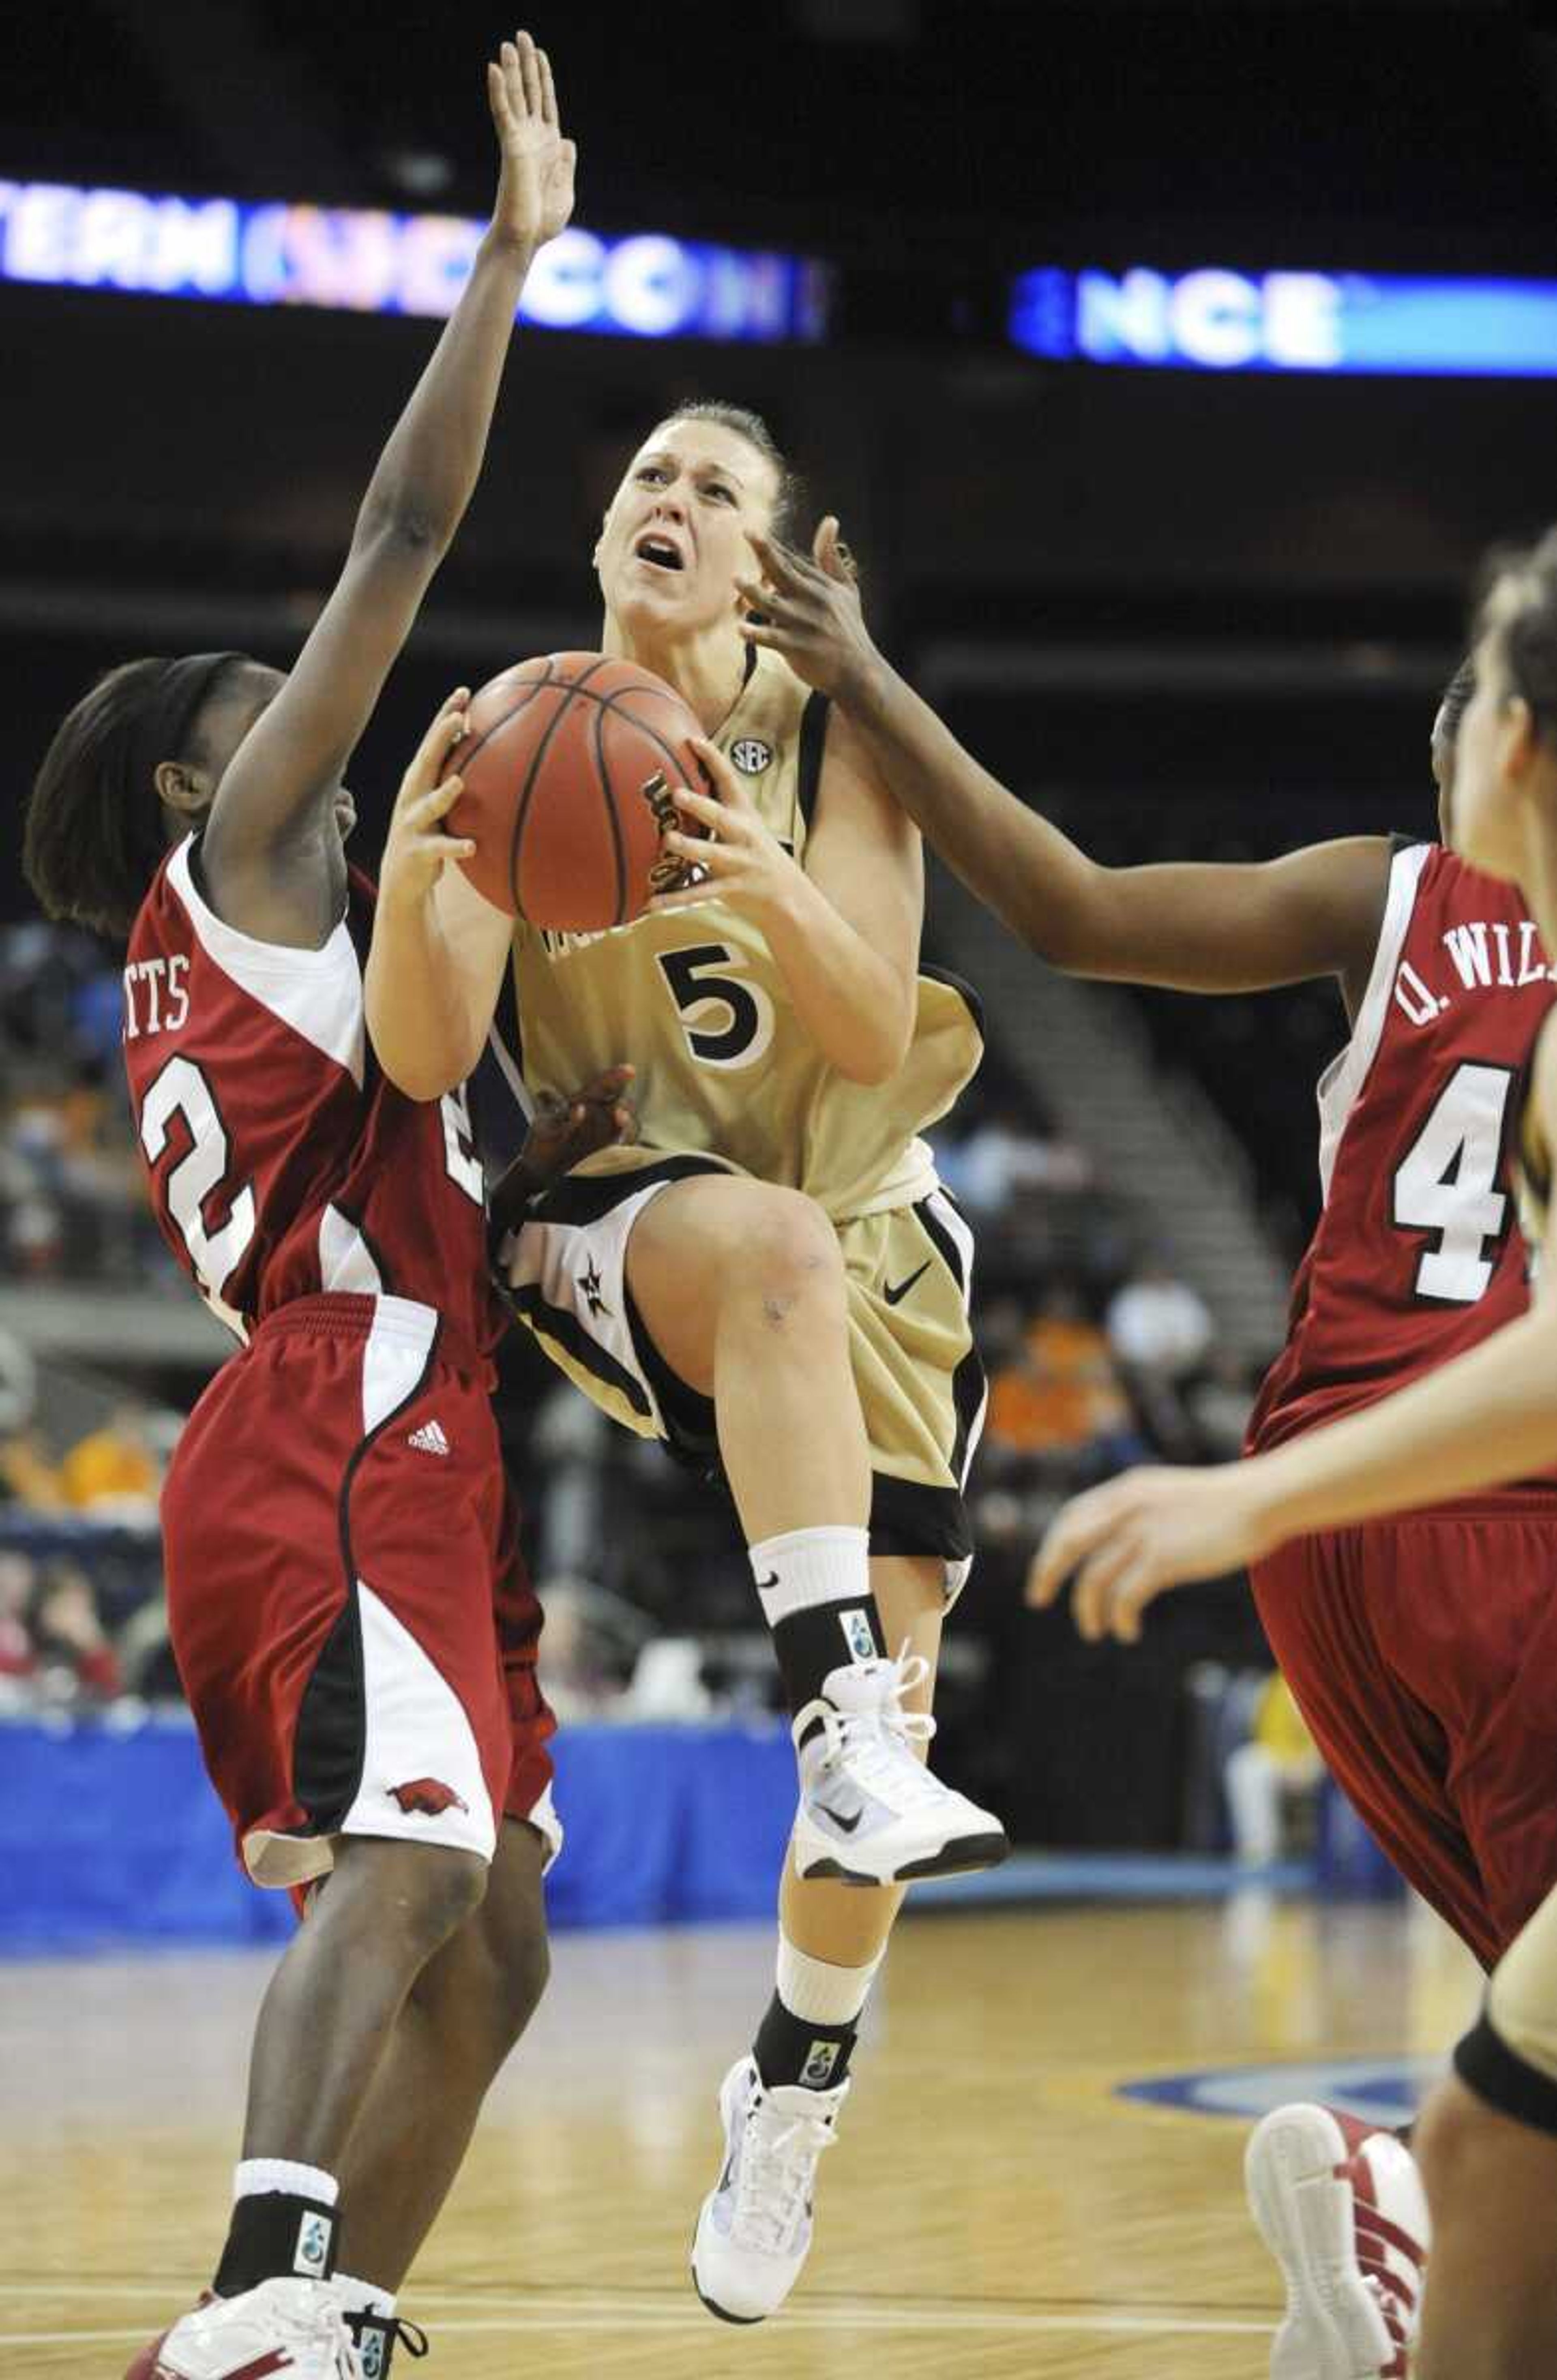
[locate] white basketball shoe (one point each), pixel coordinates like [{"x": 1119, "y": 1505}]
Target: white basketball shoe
[
  {"x": 1342, "y": 2211},
  {"x": 293, "y": 2328},
  {"x": 754, "y": 2231},
  {"x": 869, "y": 1811}
]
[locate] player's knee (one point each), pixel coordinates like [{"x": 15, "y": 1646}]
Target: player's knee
[
  {"x": 439, "y": 1891},
  {"x": 787, "y": 1254}
]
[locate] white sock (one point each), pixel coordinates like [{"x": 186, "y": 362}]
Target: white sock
[
  {"x": 361, "y": 2296},
  {"x": 255, "y": 2176},
  {"x": 827, "y": 1995},
  {"x": 805, "y": 1568}
]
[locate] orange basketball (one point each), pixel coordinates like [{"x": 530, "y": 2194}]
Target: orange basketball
[{"x": 566, "y": 773}]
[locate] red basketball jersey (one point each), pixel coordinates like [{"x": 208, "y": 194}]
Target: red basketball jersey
[
  {"x": 282, "y": 1163},
  {"x": 1418, "y": 1254}
]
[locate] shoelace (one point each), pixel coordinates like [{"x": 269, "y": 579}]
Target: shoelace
[
  {"x": 874, "y": 1743},
  {"x": 778, "y": 2161}
]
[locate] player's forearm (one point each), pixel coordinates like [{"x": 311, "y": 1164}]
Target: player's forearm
[
  {"x": 1037, "y": 881},
  {"x": 417, "y": 1020},
  {"x": 1487, "y": 1418},
  {"x": 428, "y": 471},
  {"x": 853, "y": 1003}
]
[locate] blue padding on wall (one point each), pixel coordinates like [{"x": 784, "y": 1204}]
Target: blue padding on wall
[{"x": 110, "y": 1833}]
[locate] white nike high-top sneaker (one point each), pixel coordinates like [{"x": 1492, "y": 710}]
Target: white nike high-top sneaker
[
  {"x": 754, "y": 2231},
  {"x": 870, "y": 1812}
]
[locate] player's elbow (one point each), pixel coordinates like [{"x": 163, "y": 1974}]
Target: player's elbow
[
  {"x": 421, "y": 1066},
  {"x": 874, "y": 1057},
  {"x": 397, "y": 523}
]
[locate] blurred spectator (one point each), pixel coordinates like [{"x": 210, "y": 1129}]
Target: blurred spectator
[
  {"x": 1003, "y": 1159},
  {"x": 18, "y": 1580},
  {"x": 113, "y": 1471},
  {"x": 72, "y": 1650},
  {"x": 1060, "y": 1395},
  {"x": 27, "y": 1477},
  {"x": 1156, "y": 1323},
  {"x": 1272, "y": 1780}
]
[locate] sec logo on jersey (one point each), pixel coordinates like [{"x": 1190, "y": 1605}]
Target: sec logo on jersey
[{"x": 751, "y": 756}]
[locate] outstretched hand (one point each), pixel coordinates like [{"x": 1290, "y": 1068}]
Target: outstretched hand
[
  {"x": 535, "y": 187},
  {"x": 1129, "y": 1540},
  {"x": 809, "y": 611}
]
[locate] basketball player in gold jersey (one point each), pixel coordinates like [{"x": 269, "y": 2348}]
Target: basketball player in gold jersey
[{"x": 771, "y": 1280}]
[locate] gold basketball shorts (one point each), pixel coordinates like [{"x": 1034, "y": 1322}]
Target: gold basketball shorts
[{"x": 909, "y": 1275}]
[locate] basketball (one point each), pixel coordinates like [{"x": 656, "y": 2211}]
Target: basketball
[{"x": 566, "y": 773}]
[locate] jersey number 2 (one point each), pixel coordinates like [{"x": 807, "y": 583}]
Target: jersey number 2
[
  {"x": 182, "y": 1089},
  {"x": 1447, "y": 1182}
]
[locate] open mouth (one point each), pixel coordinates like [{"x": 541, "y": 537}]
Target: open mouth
[{"x": 660, "y": 552}]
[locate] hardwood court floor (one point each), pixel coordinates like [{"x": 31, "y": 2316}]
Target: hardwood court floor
[{"x": 992, "y": 2210}]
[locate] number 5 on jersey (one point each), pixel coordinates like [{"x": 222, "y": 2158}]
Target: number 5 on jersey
[{"x": 727, "y": 1018}]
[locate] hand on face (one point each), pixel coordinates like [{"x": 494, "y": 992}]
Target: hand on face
[{"x": 809, "y": 611}]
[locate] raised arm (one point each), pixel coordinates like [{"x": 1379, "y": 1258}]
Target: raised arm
[
  {"x": 1189, "y": 926},
  {"x": 267, "y": 851}
]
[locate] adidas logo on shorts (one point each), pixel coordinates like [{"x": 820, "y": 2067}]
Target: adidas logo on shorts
[{"x": 430, "y": 1439}]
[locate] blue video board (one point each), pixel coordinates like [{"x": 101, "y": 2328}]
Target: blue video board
[
  {"x": 367, "y": 260},
  {"x": 1213, "y": 320}
]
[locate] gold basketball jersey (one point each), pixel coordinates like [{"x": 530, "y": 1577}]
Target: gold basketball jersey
[{"x": 695, "y": 1001}]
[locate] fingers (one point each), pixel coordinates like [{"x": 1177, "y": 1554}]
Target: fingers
[
  {"x": 832, "y": 555},
  {"x": 608, "y": 1086},
  {"x": 529, "y": 72},
  {"x": 716, "y": 766},
  {"x": 1069, "y": 1538},
  {"x": 447, "y": 728},
  {"x": 1092, "y": 1592},
  {"x": 505, "y": 122},
  {"x": 548, "y": 90},
  {"x": 785, "y": 570}
]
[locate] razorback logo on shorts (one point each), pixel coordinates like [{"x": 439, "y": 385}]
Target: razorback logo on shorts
[{"x": 429, "y": 1797}]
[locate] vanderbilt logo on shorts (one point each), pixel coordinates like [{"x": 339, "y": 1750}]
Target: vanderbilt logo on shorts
[{"x": 751, "y": 756}]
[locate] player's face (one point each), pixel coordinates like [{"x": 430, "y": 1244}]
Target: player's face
[
  {"x": 243, "y": 695},
  {"x": 674, "y": 545}
]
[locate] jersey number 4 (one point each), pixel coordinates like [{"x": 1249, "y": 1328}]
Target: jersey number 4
[{"x": 1447, "y": 1183}]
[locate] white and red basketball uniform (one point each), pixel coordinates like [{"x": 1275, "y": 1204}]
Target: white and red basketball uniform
[
  {"x": 1423, "y": 1650},
  {"x": 349, "y": 1615}
]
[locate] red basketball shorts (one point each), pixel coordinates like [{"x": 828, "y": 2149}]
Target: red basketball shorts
[
  {"x": 354, "y": 1629},
  {"x": 1422, "y": 1651}
]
